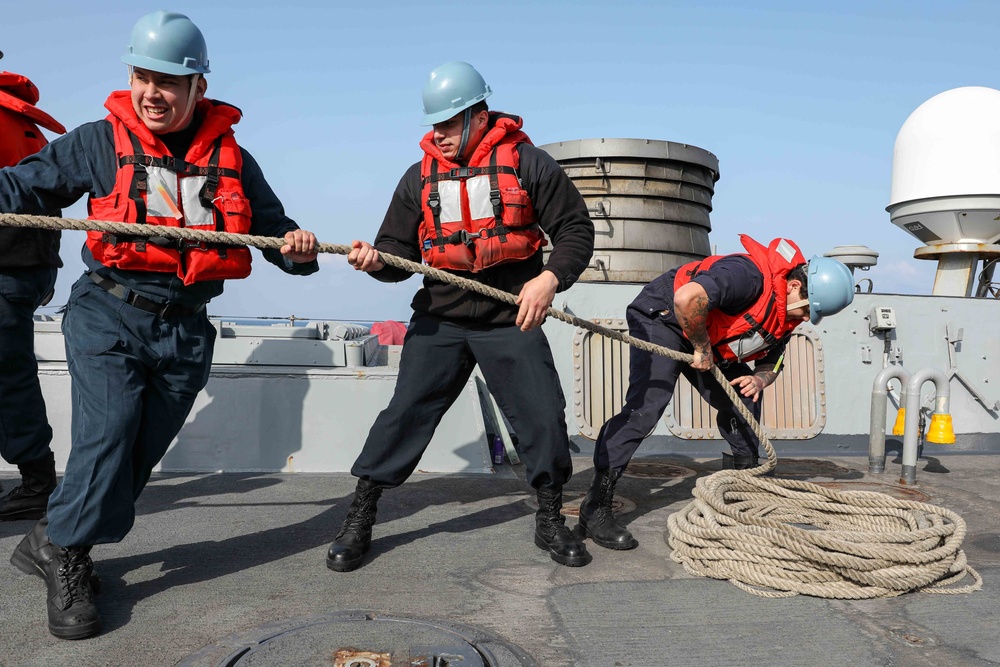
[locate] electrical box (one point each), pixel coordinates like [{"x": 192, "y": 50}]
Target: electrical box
[{"x": 881, "y": 319}]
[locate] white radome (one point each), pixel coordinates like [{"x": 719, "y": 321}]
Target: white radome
[{"x": 946, "y": 168}]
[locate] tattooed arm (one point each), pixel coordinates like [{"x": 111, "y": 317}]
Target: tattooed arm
[
  {"x": 768, "y": 377},
  {"x": 691, "y": 311}
]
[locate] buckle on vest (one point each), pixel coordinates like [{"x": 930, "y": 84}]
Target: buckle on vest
[
  {"x": 469, "y": 238},
  {"x": 187, "y": 244},
  {"x": 460, "y": 172},
  {"x": 434, "y": 202}
]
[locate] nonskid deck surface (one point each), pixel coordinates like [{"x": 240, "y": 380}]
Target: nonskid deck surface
[{"x": 218, "y": 557}]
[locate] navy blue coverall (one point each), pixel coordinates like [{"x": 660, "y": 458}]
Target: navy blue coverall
[{"x": 733, "y": 285}]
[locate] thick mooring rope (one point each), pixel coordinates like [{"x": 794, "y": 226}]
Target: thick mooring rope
[{"x": 769, "y": 536}]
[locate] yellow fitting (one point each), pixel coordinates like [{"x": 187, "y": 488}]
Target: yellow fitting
[
  {"x": 941, "y": 431},
  {"x": 897, "y": 428}
]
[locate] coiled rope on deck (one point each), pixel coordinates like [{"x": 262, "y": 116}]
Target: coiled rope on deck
[{"x": 769, "y": 536}]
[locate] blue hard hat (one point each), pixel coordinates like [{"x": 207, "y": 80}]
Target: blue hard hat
[
  {"x": 451, "y": 89},
  {"x": 169, "y": 43},
  {"x": 831, "y": 287}
]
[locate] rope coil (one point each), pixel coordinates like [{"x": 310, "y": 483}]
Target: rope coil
[{"x": 768, "y": 536}]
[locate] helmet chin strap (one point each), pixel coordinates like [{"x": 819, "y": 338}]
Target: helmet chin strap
[
  {"x": 466, "y": 125},
  {"x": 796, "y": 304},
  {"x": 190, "y": 102}
]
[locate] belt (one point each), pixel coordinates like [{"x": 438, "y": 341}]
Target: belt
[{"x": 163, "y": 310}]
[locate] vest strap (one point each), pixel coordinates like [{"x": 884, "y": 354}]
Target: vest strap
[
  {"x": 138, "y": 185},
  {"x": 495, "y": 199},
  {"x": 468, "y": 238},
  {"x": 755, "y": 328},
  {"x": 467, "y": 172},
  {"x": 175, "y": 164},
  {"x": 434, "y": 204}
]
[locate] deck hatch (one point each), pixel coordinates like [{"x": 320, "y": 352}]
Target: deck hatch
[{"x": 362, "y": 639}]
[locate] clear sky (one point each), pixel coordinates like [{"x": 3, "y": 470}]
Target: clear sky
[{"x": 800, "y": 101}]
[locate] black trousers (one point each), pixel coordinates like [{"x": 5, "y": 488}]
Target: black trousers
[
  {"x": 437, "y": 360},
  {"x": 652, "y": 378},
  {"x": 25, "y": 433}
]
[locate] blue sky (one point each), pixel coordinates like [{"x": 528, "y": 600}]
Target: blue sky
[{"x": 801, "y": 102}]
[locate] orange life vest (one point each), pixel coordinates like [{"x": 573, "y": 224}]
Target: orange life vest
[
  {"x": 749, "y": 335},
  {"x": 201, "y": 191},
  {"x": 478, "y": 216},
  {"x": 20, "y": 118}
]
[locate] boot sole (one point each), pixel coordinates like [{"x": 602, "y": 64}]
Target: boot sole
[
  {"x": 77, "y": 631},
  {"x": 579, "y": 561},
  {"x": 583, "y": 532},
  {"x": 343, "y": 566}
]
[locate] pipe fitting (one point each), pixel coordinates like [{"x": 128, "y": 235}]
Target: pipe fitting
[
  {"x": 880, "y": 396},
  {"x": 912, "y": 433}
]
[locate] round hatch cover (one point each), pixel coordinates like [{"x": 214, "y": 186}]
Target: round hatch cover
[{"x": 361, "y": 639}]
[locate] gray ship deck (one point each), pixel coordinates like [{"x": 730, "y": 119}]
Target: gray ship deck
[{"x": 216, "y": 562}]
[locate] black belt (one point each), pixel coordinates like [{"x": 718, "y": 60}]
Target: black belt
[{"x": 164, "y": 310}]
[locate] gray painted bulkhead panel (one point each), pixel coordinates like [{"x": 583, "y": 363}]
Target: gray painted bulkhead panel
[
  {"x": 266, "y": 414},
  {"x": 262, "y": 412}
]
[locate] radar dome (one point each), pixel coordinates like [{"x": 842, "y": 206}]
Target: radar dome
[{"x": 946, "y": 169}]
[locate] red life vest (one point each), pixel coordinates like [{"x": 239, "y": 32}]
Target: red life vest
[
  {"x": 201, "y": 191},
  {"x": 478, "y": 216},
  {"x": 749, "y": 335},
  {"x": 20, "y": 118}
]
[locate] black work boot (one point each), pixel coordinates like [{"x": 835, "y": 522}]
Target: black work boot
[
  {"x": 730, "y": 462},
  {"x": 355, "y": 536},
  {"x": 72, "y": 612},
  {"x": 597, "y": 521},
  {"x": 35, "y": 552},
  {"x": 29, "y": 499},
  {"x": 552, "y": 534}
]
